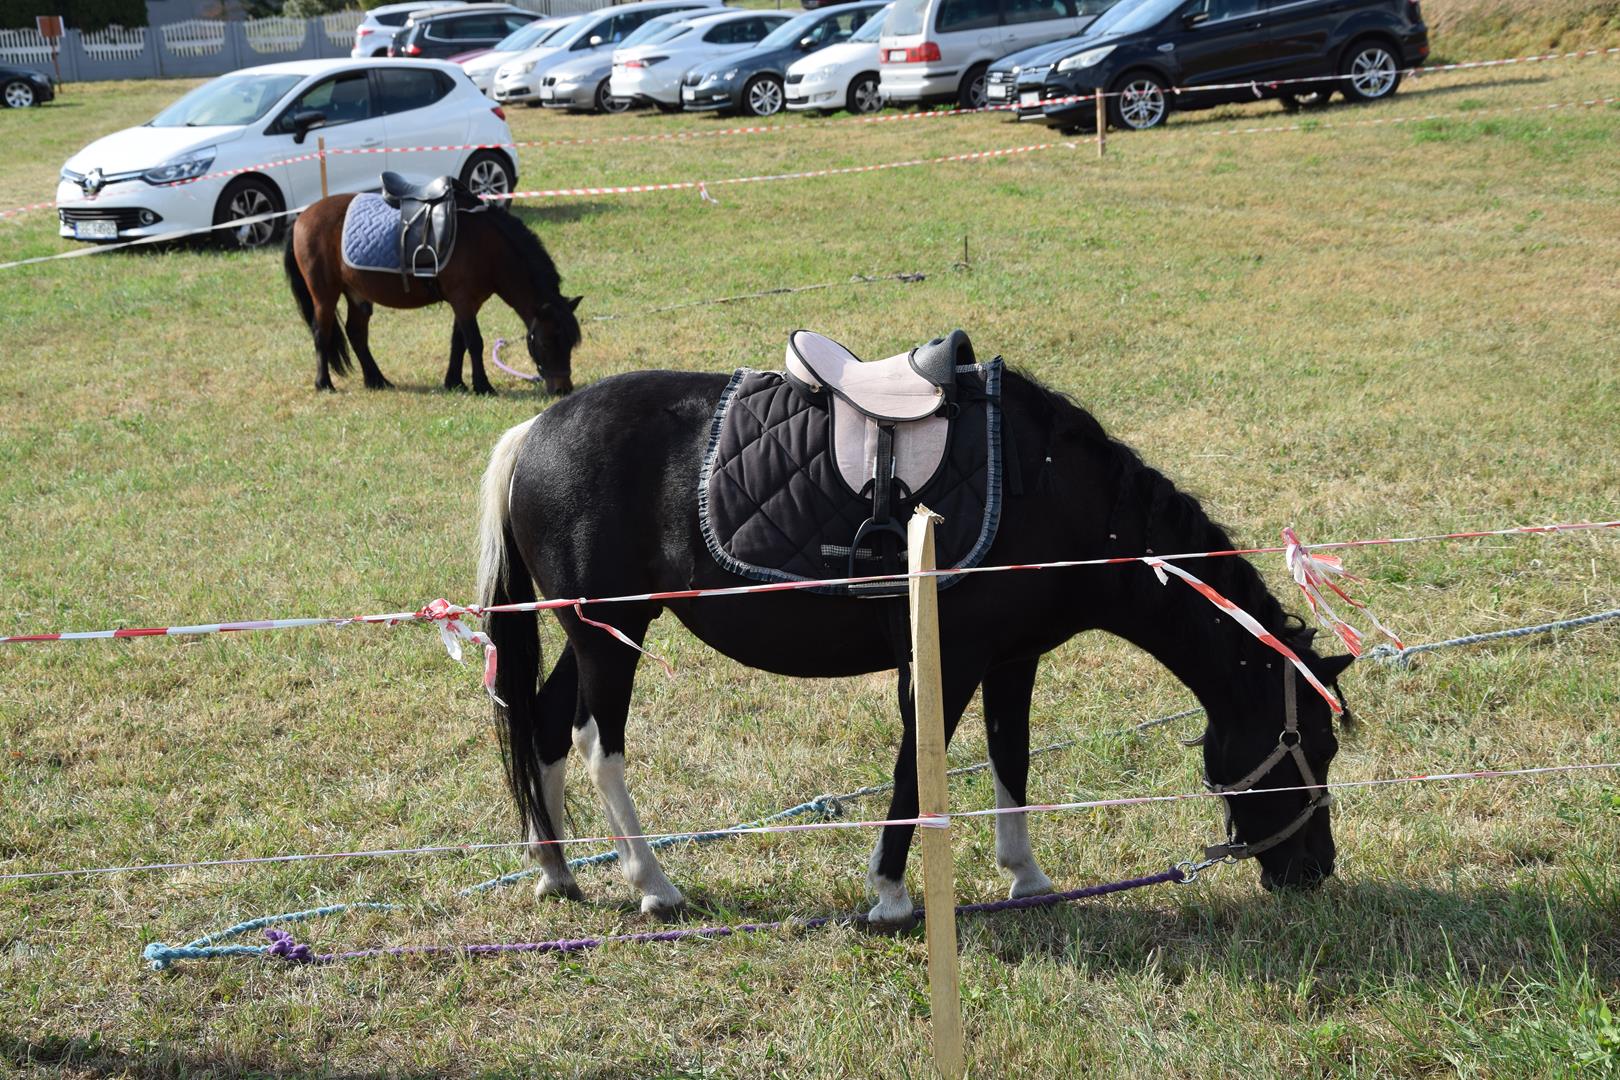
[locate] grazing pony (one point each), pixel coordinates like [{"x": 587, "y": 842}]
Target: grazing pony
[
  {"x": 495, "y": 255},
  {"x": 597, "y": 496}
]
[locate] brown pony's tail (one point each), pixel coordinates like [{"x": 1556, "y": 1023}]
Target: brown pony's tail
[{"x": 335, "y": 349}]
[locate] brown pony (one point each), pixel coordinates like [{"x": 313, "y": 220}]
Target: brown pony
[{"x": 495, "y": 254}]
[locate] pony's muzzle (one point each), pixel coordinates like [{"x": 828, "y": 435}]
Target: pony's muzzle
[{"x": 559, "y": 384}]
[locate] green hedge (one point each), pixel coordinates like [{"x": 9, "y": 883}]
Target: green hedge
[{"x": 78, "y": 14}]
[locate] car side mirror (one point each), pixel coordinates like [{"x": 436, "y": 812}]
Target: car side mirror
[
  {"x": 806, "y": 43},
  {"x": 1194, "y": 18},
  {"x": 304, "y": 120},
  {"x": 597, "y": 39}
]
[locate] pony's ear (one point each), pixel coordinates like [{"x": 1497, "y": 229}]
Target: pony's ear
[
  {"x": 573, "y": 302},
  {"x": 1329, "y": 668}
]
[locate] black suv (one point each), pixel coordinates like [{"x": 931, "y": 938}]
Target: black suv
[
  {"x": 1155, "y": 54},
  {"x": 445, "y": 32}
]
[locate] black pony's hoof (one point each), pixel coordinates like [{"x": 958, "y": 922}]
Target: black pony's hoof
[
  {"x": 888, "y": 929},
  {"x": 452, "y": 387},
  {"x": 547, "y": 891},
  {"x": 483, "y": 388},
  {"x": 327, "y": 386},
  {"x": 379, "y": 383}
]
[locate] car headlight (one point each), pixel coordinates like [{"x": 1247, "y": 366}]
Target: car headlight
[
  {"x": 1086, "y": 59},
  {"x": 518, "y": 69},
  {"x": 189, "y": 167},
  {"x": 721, "y": 76},
  {"x": 569, "y": 80},
  {"x": 1016, "y": 69},
  {"x": 822, "y": 74}
]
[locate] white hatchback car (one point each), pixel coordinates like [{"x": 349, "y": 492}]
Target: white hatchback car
[
  {"x": 841, "y": 76},
  {"x": 226, "y": 150},
  {"x": 939, "y": 50},
  {"x": 653, "y": 70}
]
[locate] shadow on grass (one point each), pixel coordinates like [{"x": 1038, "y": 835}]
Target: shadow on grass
[{"x": 1352, "y": 936}]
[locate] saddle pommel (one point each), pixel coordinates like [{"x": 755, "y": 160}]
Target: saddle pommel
[{"x": 908, "y": 386}]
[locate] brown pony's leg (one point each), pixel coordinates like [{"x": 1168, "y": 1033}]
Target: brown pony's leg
[
  {"x": 467, "y": 325},
  {"x": 458, "y": 349},
  {"x": 357, "y": 325}
]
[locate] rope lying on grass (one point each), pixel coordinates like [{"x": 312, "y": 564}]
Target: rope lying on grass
[{"x": 208, "y": 947}]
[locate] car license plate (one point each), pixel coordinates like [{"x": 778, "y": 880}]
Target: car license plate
[
  {"x": 548, "y": 94},
  {"x": 688, "y": 94},
  {"x": 95, "y": 230},
  {"x": 995, "y": 90},
  {"x": 1029, "y": 98},
  {"x": 897, "y": 56}
]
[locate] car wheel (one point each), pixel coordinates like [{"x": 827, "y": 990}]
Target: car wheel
[
  {"x": 1371, "y": 72},
  {"x": 244, "y": 198},
  {"x": 762, "y": 96},
  {"x": 971, "y": 93},
  {"x": 1304, "y": 100},
  {"x": 865, "y": 94},
  {"x": 1138, "y": 103},
  {"x": 18, "y": 94},
  {"x": 607, "y": 103},
  {"x": 488, "y": 173}
]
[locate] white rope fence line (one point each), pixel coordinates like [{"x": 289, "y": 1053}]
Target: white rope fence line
[{"x": 931, "y": 821}]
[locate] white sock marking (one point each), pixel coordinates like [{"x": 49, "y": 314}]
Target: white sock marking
[
  {"x": 1013, "y": 852},
  {"x": 641, "y": 867}
]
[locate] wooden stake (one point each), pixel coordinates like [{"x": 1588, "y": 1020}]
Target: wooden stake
[
  {"x": 939, "y": 892},
  {"x": 1102, "y": 123},
  {"x": 320, "y": 148}
]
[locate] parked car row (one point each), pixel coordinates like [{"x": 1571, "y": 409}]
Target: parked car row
[{"x": 225, "y": 152}]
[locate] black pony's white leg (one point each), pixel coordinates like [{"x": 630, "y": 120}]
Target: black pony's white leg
[
  {"x": 558, "y": 703},
  {"x": 607, "y": 669},
  {"x": 886, "y": 870},
  {"x": 1007, "y": 691}
]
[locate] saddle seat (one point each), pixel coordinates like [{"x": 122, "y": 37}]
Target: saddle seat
[
  {"x": 427, "y": 221},
  {"x": 396, "y": 189},
  {"x": 902, "y": 388}
]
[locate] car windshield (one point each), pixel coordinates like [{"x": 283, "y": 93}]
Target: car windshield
[
  {"x": 872, "y": 28},
  {"x": 791, "y": 31},
  {"x": 229, "y": 101},
  {"x": 526, "y": 37},
  {"x": 654, "y": 30},
  {"x": 906, "y": 17},
  {"x": 1132, "y": 16},
  {"x": 658, "y": 32}
]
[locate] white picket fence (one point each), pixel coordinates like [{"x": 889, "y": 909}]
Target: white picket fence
[
  {"x": 194, "y": 37},
  {"x": 199, "y": 47},
  {"x": 24, "y": 47},
  {"x": 340, "y": 26},
  {"x": 115, "y": 42},
  {"x": 276, "y": 35}
]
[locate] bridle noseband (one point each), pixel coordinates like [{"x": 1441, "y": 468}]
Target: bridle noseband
[{"x": 1288, "y": 743}]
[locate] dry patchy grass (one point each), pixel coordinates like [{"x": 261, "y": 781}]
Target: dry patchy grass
[{"x": 1359, "y": 330}]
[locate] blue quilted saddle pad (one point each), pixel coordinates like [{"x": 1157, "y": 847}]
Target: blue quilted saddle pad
[{"x": 371, "y": 235}]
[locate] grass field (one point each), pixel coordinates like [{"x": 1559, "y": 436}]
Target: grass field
[{"x": 1359, "y": 330}]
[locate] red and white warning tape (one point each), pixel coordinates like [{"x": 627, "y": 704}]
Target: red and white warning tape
[
  {"x": 686, "y": 136},
  {"x": 454, "y": 631}
]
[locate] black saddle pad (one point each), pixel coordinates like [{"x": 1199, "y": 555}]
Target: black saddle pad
[{"x": 773, "y": 505}]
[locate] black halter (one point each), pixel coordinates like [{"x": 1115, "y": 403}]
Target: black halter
[{"x": 1288, "y": 743}]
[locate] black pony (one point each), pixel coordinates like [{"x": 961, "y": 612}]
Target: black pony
[{"x": 598, "y": 497}]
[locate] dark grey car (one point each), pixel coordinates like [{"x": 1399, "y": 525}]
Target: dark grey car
[{"x": 751, "y": 82}]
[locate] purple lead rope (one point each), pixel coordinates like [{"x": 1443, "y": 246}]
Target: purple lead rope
[{"x": 283, "y": 946}]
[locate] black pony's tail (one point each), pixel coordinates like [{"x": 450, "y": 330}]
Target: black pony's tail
[
  {"x": 503, "y": 578},
  {"x": 333, "y": 347}
]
